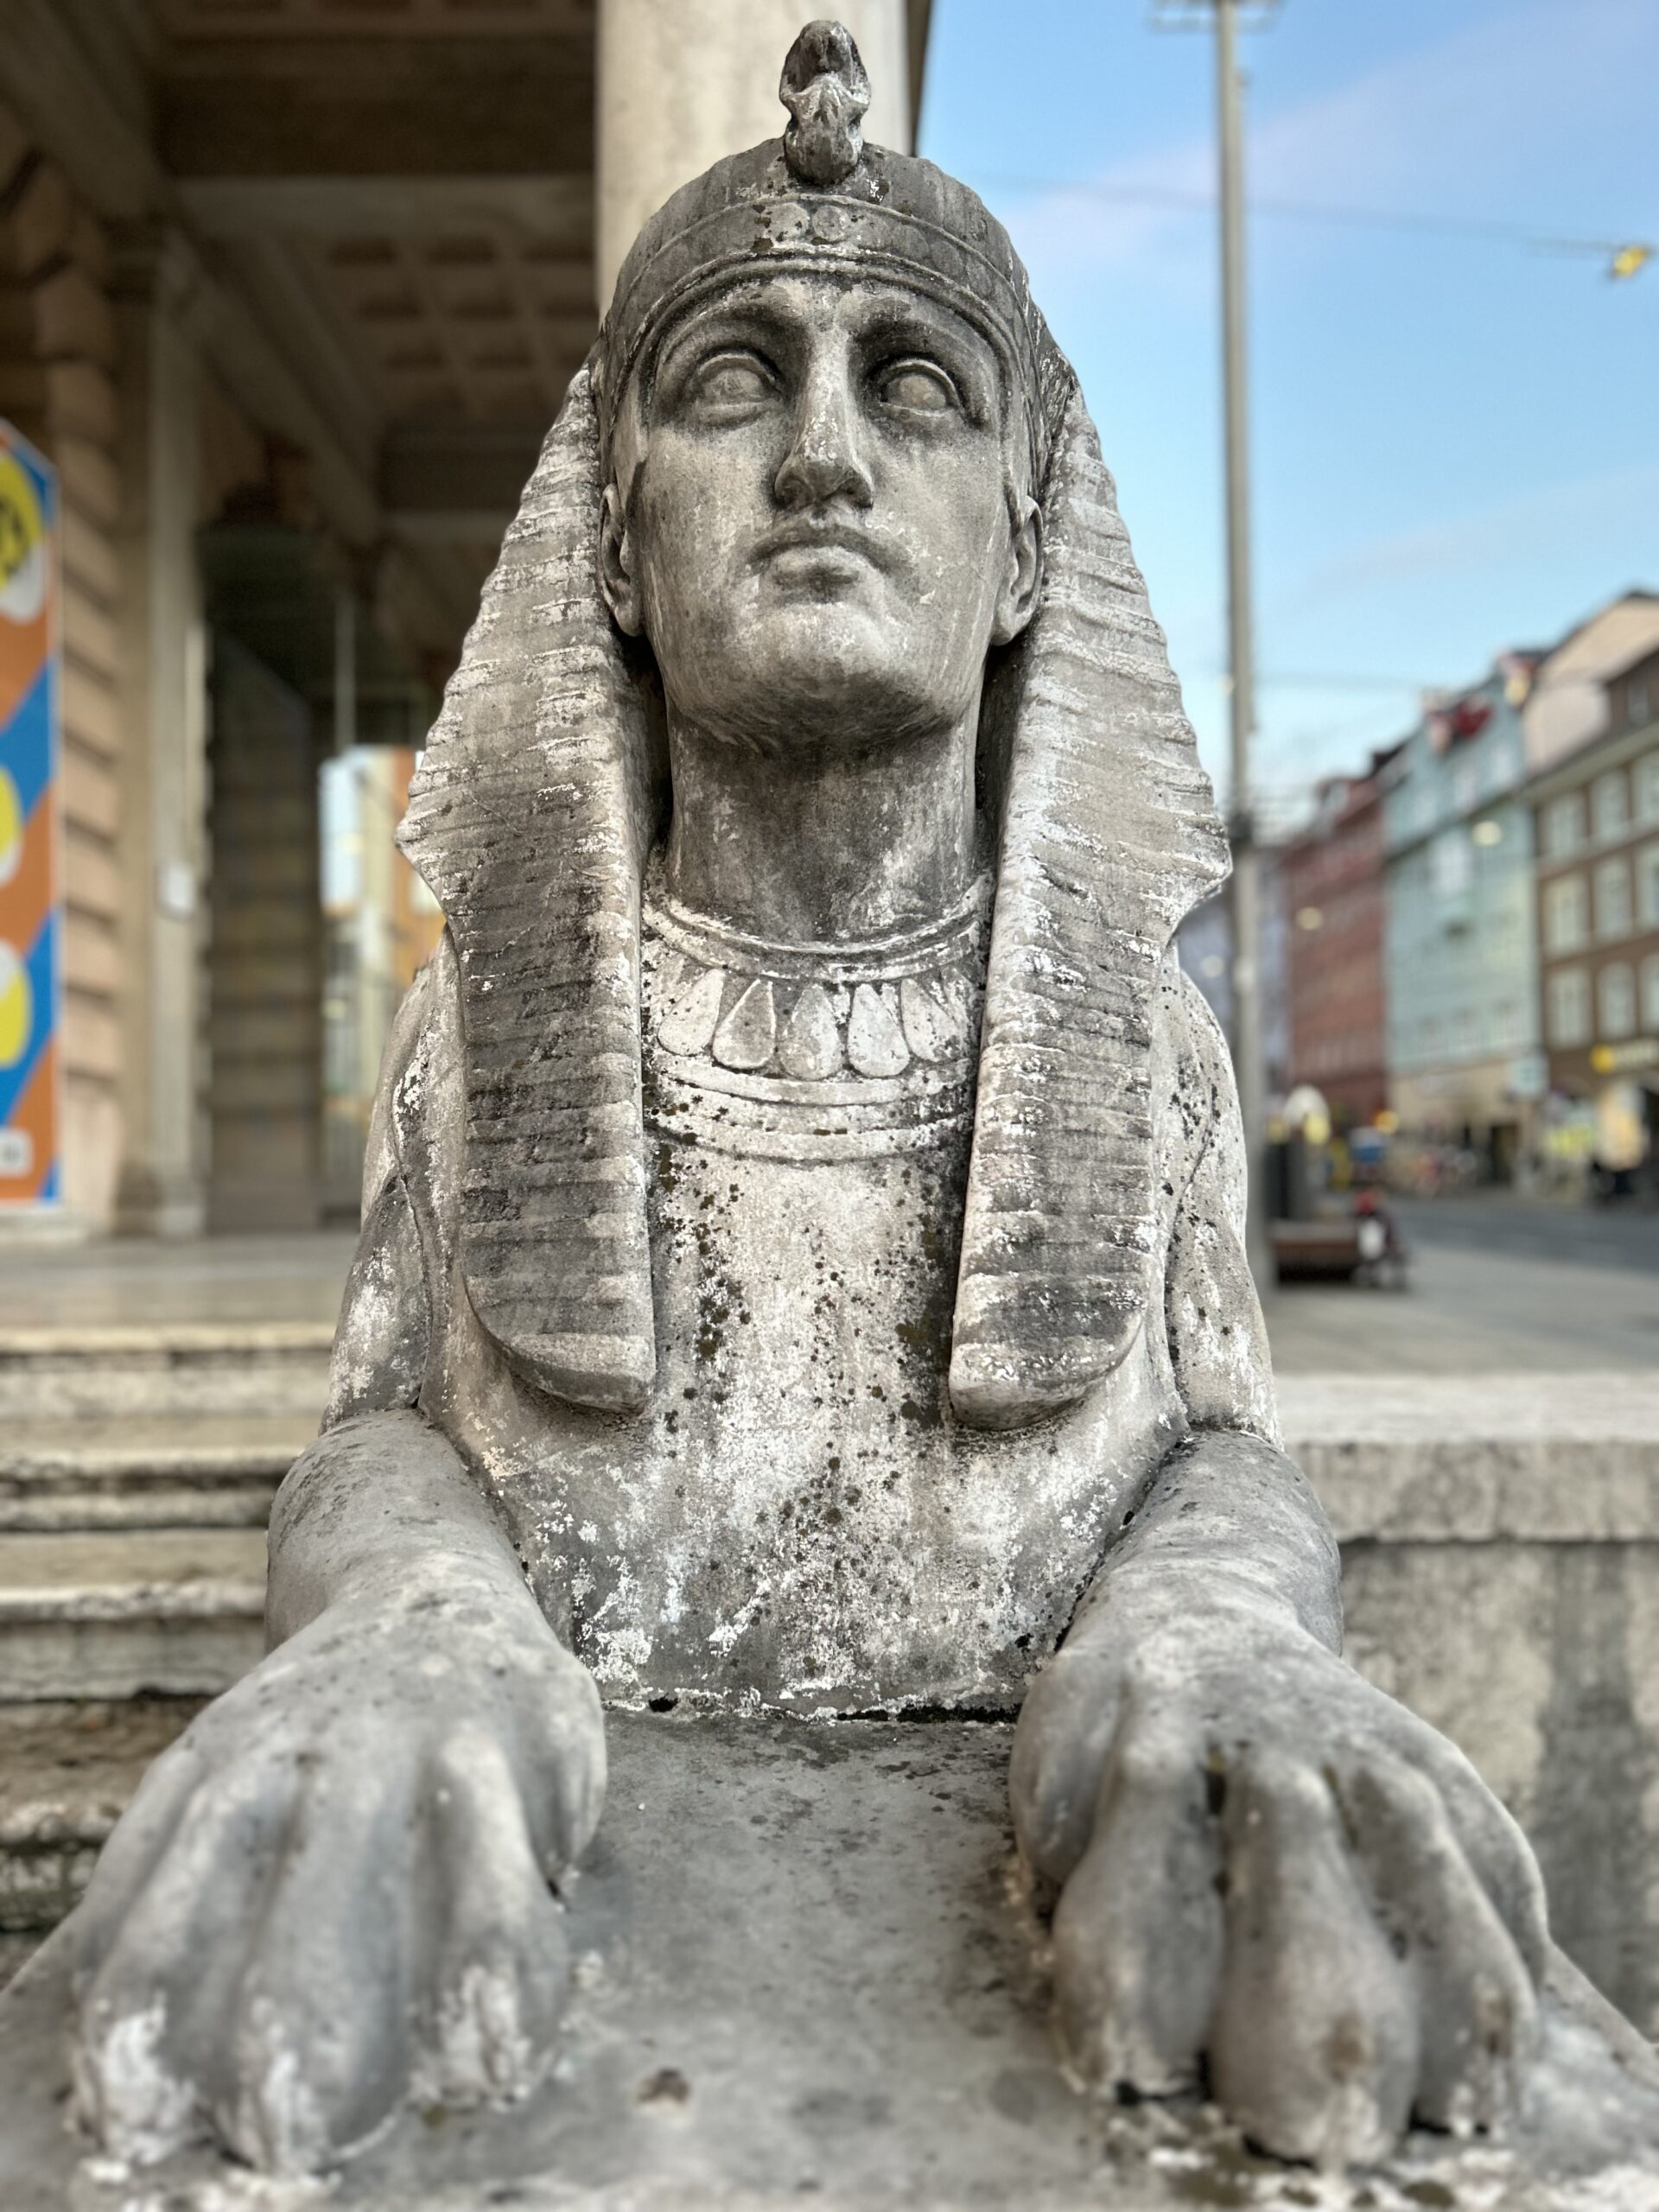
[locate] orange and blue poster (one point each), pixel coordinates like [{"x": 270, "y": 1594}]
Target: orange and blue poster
[{"x": 31, "y": 927}]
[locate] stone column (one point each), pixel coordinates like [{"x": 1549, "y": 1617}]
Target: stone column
[
  {"x": 681, "y": 82},
  {"x": 163, "y": 701},
  {"x": 266, "y": 966}
]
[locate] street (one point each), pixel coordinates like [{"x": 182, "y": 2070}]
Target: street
[
  {"x": 1617, "y": 1236},
  {"x": 1496, "y": 1286}
]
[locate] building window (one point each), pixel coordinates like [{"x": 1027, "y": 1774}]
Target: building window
[
  {"x": 1613, "y": 899},
  {"x": 1569, "y": 1008},
  {"x": 1564, "y": 823},
  {"x": 1616, "y": 990},
  {"x": 1454, "y": 863},
  {"x": 1646, "y": 773},
  {"x": 1637, "y": 702},
  {"x": 1650, "y": 992},
  {"x": 1466, "y": 785},
  {"x": 1612, "y": 814},
  {"x": 1647, "y": 868},
  {"x": 1566, "y": 914}
]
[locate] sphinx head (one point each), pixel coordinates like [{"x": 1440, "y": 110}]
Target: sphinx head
[
  {"x": 826, "y": 458},
  {"x": 821, "y": 507},
  {"x": 820, "y": 513}
]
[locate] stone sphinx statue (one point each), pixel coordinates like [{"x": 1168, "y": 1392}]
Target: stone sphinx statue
[{"x": 802, "y": 1264}]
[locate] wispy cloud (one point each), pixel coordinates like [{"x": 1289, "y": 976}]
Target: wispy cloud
[
  {"x": 1523, "y": 528},
  {"x": 1460, "y": 125}
]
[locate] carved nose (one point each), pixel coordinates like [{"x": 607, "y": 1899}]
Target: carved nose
[{"x": 824, "y": 462}]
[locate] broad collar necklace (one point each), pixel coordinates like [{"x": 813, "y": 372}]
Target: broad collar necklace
[{"x": 812, "y": 1050}]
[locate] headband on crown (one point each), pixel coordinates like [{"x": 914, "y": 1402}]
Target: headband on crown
[
  {"x": 543, "y": 787},
  {"x": 819, "y": 199}
]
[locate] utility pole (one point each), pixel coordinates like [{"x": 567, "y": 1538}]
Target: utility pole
[{"x": 1244, "y": 898}]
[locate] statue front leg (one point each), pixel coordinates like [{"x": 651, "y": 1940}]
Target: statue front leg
[
  {"x": 336, "y": 1888},
  {"x": 1272, "y": 1878}
]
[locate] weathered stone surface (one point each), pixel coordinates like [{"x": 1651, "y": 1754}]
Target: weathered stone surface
[
  {"x": 1501, "y": 1577},
  {"x": 816, "y": 656},
  {"x": 808, "y": 1974}
]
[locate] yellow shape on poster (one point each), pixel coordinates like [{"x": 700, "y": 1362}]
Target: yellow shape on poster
[
  {"x": 23, "y": 544},
  {"x": 16, "y": 1006},
  {"x": 11, "y": 827}
]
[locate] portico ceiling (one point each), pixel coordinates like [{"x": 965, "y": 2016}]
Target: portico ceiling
[
  {"x": 398, "y": 195},
  {"x": 402, "y": 189}
]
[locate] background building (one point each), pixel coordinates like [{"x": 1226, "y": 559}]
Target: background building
[
  {"x": 1461, "y": 956},
  {"x": 1597, "y": 819},
  {"x": 1333, "y": 895},
  {"x": 289, "y": 295}
]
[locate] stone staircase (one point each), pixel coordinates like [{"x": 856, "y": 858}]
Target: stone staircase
[{"x": 138, "y": 1465}]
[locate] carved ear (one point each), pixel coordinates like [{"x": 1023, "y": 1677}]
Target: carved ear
[
  {"x": 530, "y": 818},
  {"x": 1108, "y": 835},
  {"x": 1022, "y": 588}
]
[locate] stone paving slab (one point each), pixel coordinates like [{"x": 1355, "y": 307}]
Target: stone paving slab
[{"x": 807, "y": 1977}]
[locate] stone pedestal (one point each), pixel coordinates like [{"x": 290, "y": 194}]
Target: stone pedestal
[{"x": 807, "y": 1975}]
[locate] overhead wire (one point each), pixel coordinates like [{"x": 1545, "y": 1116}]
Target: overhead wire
[{"x": 1625, "y": 256}]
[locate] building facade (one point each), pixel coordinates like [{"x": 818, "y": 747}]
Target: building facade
[
  {"x": 1333, "y": 877},
  {"x": 289, "y": 294},
  {"x": 1460, "y": 959},
  {"x": 1596, "y": 818}
]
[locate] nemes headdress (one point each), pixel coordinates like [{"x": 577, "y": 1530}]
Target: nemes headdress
[{"x": 542, "y": 790}]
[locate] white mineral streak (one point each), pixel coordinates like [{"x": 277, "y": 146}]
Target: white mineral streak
[
  {"x": 143, "y": 2111},
  {"x": 875, "y": 1039},
  {"x": 230, "y": 2189},
  {"x": 690, "y": 1024},
  {"x": 932, "y": 1029},
  {"x": 810, "y": 1046},
  {"x": 798, "y": 1519},
  {"x": 483, "y": 2054},
  {"x": 278, "y": 2122},
  {"x": 748, "y": 1035}
]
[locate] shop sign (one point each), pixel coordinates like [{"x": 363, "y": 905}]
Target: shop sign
[{"x": 1614, "y": 1060}]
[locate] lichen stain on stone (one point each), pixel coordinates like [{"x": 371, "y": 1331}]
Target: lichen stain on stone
[{"x": 798, "y": 1519}]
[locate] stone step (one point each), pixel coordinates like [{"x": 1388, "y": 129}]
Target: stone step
[
  {"x": 268, "y": 1367},
  {"x": 104, "y": 1616},
  {"x": 145, "y": 1471},
  {"x": 66, "y": 1774}
]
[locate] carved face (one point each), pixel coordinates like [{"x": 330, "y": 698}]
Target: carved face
[{"x": 817, "y": 515}]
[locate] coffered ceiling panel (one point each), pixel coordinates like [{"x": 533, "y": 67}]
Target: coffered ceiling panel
[
  {"x": 487, "y": 326},
  {"x": 185, "y": 19}
]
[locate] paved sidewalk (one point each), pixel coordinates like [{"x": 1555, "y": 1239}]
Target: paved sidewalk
[
  {"x": 139, "y": 1282},
  {"x": 1468, "y": 1311}
]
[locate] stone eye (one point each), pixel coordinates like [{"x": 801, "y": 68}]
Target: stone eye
[
  {"x": 731, "y": 380},
  {"x": 918, "y": 386}
]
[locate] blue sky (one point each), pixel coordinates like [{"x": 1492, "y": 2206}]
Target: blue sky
[{"x": 1455, "y": 440}]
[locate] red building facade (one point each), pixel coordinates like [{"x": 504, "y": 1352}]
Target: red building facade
[{"x": 1335, "y": 903}]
